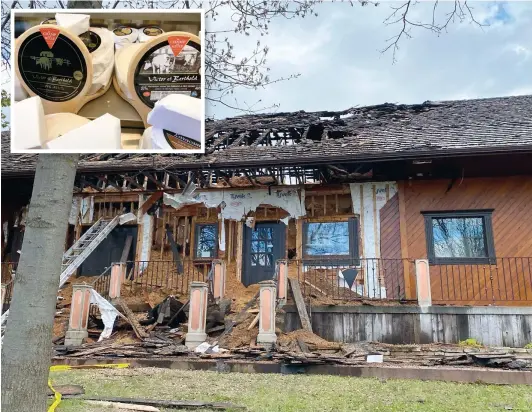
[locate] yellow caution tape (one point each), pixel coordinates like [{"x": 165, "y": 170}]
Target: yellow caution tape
[
  {"x": 57, "y": 368},
  {"x": 57, "y": 397}
]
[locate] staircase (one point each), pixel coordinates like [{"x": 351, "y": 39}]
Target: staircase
[
  {"x": 74, "y": 257},
  {"x": 79, "y": 251}
]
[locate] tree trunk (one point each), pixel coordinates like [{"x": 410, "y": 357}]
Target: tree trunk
[{"x": 27, "y": 346}]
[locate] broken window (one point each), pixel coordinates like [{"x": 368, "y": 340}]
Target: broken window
[
  {"x": 331, "y": 240},
  {"x": 206, "y": 240},
  {"x": 459, "y": 237}
]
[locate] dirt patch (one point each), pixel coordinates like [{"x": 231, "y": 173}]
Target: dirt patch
[{"x": 314, "y": 341}]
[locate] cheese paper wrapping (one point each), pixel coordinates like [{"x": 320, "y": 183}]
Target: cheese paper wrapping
[
  {"x": 178, "y": 113},
  {"x": 75, "y": 23},
  {"x": 29, "y": 124}
]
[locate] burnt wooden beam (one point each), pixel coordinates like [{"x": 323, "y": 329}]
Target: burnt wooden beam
[
  {"x": 133, "y": 182},
  {"x": 261, "y": 138},
  {"x": 150, "y": 201},
  {"x": 249, "y": 178},
  {"x": 106, "y": 180},
  {"x": 159, "y": 185},
  {"x": 238, "y": 140}
]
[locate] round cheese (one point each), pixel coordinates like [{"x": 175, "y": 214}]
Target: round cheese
[
  {"x": 58, "y": 124},
  {"x": 123, "y": 59},
  {"x": 124, "y": 35},
  {"x": 102, "y": 60}
]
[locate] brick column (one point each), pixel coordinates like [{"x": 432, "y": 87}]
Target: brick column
[
  {"x": 79, "y": 315},
  {"x": 423, "y": 283},
  {"x": 197, "y": 316},
  {"x": 118, "y": 275},
  {"x": 218, "y": 279},
  {"x": 267, "y": 295},
  {"x": 282, "y": 281}
]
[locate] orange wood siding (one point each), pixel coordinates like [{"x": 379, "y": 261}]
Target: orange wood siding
[
  {"x": 509, "y": 281},
  {"x": 391, "y": 249}
]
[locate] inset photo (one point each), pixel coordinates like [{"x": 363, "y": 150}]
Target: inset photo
[{"x": 99, "y": 81}]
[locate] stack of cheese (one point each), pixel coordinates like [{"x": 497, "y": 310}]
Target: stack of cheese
[
  {"x": 177, "y": 113},
  {"x": 102, "y": 57},
  {"x": 31, "y": 129}
]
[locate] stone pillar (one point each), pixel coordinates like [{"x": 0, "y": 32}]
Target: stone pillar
[
  {"x": 282, "y": 281},
  {"x": 423, "y": 283},
  {"x": 118, "y": 276},
  {"x": 79, "y": 315},
  {"x": 218, "y": 279},
  {"x": 267, "y": 336},
  {"x": 197, "y": 316}
]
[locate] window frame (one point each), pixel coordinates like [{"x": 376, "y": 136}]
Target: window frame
[
  {"x": 197, "y": 232},
  {"x": 484, "y": 214},
  {"x": 354, "y": 252}
]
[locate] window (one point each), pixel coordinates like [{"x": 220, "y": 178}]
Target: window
[
  {"x": 331, "y": 240},
  {"x": 206, "y": 241},
  {"x": 459, "y": 237}
]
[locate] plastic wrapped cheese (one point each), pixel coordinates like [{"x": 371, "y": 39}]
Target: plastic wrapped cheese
[
  {"x": 101, "y": 135},
  {"x": 178, "y": 113},
  {"x": 102, "y": 60},
  {"x": 28, "y": 124},
  {"x": 123, "y": 58},
  {"x": 75, "y": 23}
]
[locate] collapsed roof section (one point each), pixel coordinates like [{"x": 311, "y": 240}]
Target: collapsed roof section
[{"x": 301, "y": 148}]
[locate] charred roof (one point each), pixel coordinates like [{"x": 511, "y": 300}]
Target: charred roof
[{"x": 381, "y": 132}]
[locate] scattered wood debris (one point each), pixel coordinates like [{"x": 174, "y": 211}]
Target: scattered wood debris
[{"x": 170, "y": 404}]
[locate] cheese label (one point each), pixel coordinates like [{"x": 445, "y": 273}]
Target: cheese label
[
  {"x": 161, "y": 71},
  {"x": 123, "y": 31},
  {"x": 177, "y": 43},
  {"x": 91, "y": 40},
  {"x": 177, "y": 141},
  {"x": 52, "y": 65},
  {"x": 152, "y": 31},
  {"x": 50, "y": 36}
]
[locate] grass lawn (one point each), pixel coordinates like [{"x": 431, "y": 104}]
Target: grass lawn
[{"x": 271, "y": 392}]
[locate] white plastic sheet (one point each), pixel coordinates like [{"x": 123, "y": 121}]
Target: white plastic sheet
[{"x": 108, "y": 312}]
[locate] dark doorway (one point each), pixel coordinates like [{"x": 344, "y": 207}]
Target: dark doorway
[
  {"x": 109, "y": 251},
  {"x": 262, "y": 247}
]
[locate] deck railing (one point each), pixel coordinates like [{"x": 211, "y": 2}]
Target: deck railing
[
  {"x": 163, "y": 275},
  {"x": 382, "y": 279},
  {"x": 504, "y": 281}
]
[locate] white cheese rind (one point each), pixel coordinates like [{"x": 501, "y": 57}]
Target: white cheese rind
[
  {"x": 179, "y": 114},
  {"x": 101, "y": 135},
  {"x": 73, "y": 22},
  {"x": 29, "y": 124},
  {"x": 123, "y": 58}
]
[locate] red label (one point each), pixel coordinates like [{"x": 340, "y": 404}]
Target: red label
[
  {"x": 50, "y": 36},
  {"x": 177, "y": 43}
]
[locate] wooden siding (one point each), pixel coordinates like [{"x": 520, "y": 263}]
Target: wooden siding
[
  {"x": 507, "y": 282},
  {"x": 390, "y": 235}
]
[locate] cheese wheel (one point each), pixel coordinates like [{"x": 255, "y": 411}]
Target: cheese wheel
[
  {"x": 58, "y": 124},
  {"x": 148, "y": 33},
  {"x": 146, "y": 139},
  {"x": 20, "y": 93},
  {"x": 124, "y": 35},
  {"x": 102, "y": 60},
  {"x": 123, "y": 59}
]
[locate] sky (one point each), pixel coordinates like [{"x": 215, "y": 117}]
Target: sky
[{"x": 338, "y": 55}]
